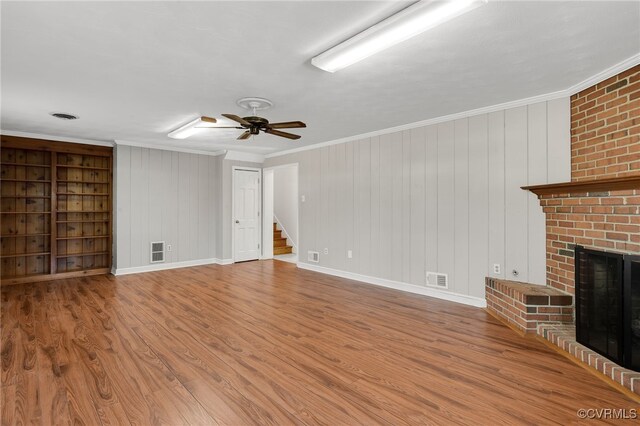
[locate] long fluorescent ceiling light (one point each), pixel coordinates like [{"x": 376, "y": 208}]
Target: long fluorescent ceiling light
[
  {"x": 191, "y": 128},
  {"x": 407, "y": 23}
]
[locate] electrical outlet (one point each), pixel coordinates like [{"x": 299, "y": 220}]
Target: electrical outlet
[
  {"x": 303, "y": 199},
  {"x": 326, "y": 251},
  {"x": 349, "y": 254},
  {"x": 168, "y": 247},
  {"x": 496, "y": 268}
]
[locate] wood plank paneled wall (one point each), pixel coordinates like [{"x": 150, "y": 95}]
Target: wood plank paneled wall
[
  {"x": 166, "y": 196},
  {"x": 443, "y": 198}
]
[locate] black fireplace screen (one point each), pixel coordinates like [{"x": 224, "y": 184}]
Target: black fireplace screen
[
  {"x": 608, "y": 304},
  {"x": 632, "y": 311}
]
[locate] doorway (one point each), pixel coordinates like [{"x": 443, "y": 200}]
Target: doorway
[
  {"x": 246, "y": 214},
  {"x": 280, "y": 238}
]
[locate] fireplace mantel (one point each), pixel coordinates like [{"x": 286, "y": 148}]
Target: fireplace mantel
[{"x": 612, "y": 184}]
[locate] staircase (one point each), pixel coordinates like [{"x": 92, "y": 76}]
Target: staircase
[{"x": 279, "y": 242}]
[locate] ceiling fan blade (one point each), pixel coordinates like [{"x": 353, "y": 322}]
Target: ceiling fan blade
[
  {"x": 208, "y": 119},
  {"x": 283, "y": 134},
  {"x": 218, "y": 127},
  {"x": 245, "y": 135},
  {"x": 287, "y": 125},
  {"x": 237, "y": 119}
]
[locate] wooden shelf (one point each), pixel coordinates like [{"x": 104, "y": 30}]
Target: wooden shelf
[
  {"x": 81, "y": 181},
  {"x": 97, "y": 253},
  {"x": 68, "y": 166},
  {"x": 23, "y": 278},
  {"x": 23, "y": 235},
  {"x": 6, "y": 256},
  {"x": 99, "y": 194},
  {"x": 26, "y": 180},
  {"x": 83, "y": 221},
  {"x": 47, "y": 212},
  {"x": 46, "y": 197},
  {"x": 84, "y": 237},
  {"x": 614, "y": 184},
  {"x": 28, "y": 165}
]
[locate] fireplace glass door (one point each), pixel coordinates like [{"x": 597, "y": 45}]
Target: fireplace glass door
[
  {"x": 608, "y": 305},
  {"x": 599, "y": 302},
  {"x": 632, "y": 311}
]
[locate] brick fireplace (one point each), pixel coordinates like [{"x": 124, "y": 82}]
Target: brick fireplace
[
  {"x": 599, "y": 209},
  {"x": 589, "y": 214},
  {"x": 605, "y": 149}
]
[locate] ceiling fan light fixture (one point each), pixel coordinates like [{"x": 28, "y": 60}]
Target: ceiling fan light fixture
[
  {"x": 407, "y": 23},
  {"x": 254, "y": 103},
  {"x": 190, "y": 128}
]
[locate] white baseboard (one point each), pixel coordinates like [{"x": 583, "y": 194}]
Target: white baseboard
[
  {"x": 410, "y": 288},
  {"x": 172, "y": 265}
]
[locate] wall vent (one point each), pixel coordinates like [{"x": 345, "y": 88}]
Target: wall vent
[
  {"x": 435, "y": 279},
  {"x": 157, "y": 251},
  {"x": 313, "y": 256}
]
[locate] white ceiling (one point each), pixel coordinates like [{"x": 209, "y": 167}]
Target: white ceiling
[{"x": 134, "y": 71}]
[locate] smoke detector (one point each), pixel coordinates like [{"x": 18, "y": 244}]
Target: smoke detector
[{"x": 64, "y": 116}]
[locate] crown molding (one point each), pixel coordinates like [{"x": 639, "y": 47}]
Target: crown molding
[
  {"x": 56, "y": 138},
  {"x": 244, "y": 156},
  {"x": 603, "y": 75},
  {"x": 168, "y": 148},
  {"x": 430, "y": 121}
]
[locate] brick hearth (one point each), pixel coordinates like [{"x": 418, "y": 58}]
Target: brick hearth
[
  {"x": 564, "y": 337},
  {"x": 525, "y": 306}
]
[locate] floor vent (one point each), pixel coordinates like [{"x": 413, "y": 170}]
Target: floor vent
[
  {"x": 435, "y": 279},
  {"x": 157, "y": 251},
  {"x": 314, "y": 256}
]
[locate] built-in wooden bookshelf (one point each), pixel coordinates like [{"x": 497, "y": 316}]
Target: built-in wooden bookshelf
[
  {"x": 25, "y": 212},
  {"x": 56, "y": 209}
]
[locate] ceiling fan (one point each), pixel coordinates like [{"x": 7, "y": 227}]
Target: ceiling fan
[{"x": 253, "y": 124}]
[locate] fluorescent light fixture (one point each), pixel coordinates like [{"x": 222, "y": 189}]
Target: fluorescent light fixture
[
  {"x": 407, "y": 23},
  {"x": 191, "y": 128}
]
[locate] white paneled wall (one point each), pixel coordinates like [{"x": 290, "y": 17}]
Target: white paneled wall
[
  {"x": 165, "y": 196},
  {"x": 443, "y": 198}
]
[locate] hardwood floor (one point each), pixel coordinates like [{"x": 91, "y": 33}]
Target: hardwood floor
[{"x": 267, "y": 343}]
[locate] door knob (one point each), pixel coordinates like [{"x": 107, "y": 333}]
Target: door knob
[{"x": 237, "y": 221}]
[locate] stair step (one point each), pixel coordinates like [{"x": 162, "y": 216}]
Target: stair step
[
  {"x": 279, "y": 242},
  {"x": 275, "y": 226},
  {"x": 282, "y": 250},
  {"x": 277, "y": 234}
]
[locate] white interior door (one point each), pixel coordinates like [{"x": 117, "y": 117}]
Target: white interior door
[{"x": 246, "y": 221}]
